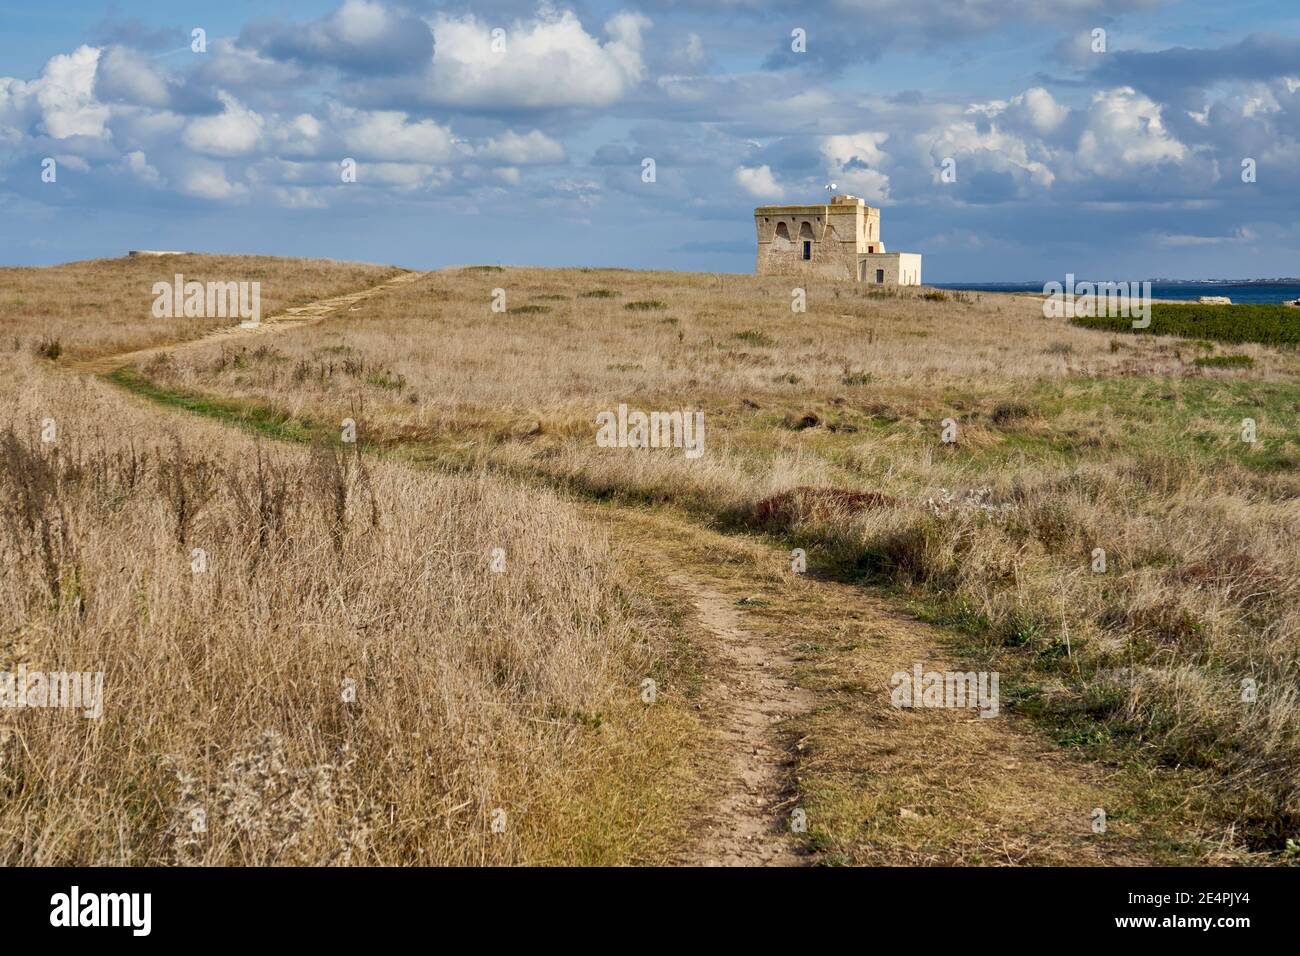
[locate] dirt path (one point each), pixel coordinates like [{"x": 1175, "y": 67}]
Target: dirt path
[
  {"x": 797, "y": 688},
  {"x": 752, "y": 694},
  {"x": 294, "y": 318}
]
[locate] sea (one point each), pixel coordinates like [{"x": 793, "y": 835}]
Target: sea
[{"x": 1285, "y": 290}]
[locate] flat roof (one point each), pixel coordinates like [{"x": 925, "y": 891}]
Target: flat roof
[{"x": 817, "y": 208}]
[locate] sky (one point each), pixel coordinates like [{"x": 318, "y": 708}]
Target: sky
[{"x": 1005, "y": 140}]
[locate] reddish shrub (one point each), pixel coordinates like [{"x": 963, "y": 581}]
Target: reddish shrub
[{"x": 785, "y": 507}]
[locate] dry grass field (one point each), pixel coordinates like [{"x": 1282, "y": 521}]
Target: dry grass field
[
  {"x": 1123, "y": 687},
  {"x": 225, "y": 689},
  {"x": 103, "y": 306}
]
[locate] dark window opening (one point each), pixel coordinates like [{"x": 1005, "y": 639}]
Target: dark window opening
[
  {"x": 807, "y": 250},
  {"x": 880, "y": 275}
]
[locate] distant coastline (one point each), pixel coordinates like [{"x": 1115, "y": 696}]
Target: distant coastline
[{"x": 1177, "y": 290}]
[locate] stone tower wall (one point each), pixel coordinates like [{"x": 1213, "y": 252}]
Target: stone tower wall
[{"x": 835, "y": 232}]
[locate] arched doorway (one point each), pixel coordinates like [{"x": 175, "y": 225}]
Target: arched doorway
[{"x": 806, "y": 239}]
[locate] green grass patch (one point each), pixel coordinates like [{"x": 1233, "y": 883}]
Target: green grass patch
[
  {"x": 250, "y": 416},
  {"x": 646, "y": 305},
  {"x": 48, "y": 348},
  {"x": 1224, "y": 361},
  {"x": 1161, "y": 417},
  {"x": 598, "y": 294},
  {"x": 756, "y": 337},
  {"x": 387, "y": 380},
  {"x": 1265, "y": 323}
]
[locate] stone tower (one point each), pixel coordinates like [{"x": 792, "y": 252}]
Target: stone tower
[{"x": 840, "y": 240}]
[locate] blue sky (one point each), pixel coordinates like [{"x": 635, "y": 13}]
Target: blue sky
[{"x": 1114, "y": 154}]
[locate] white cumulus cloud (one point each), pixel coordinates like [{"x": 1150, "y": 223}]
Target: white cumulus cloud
[
  {"x": 853, "y": 160},
  {"x": 207, "y": 180},
  {"x": 389, "y": 135},
  {"x": 759, "y": 182},
  {"x": 1124, "y": 129},
  {"x": 235, "y": 131},
  {"x": 974, "y": 147},
  {"x": 1037, "y": 109},
  {"x": 61, "y": 101},
  {"x": 517, "y": 150},
  {"x": 137, "y": 164},
  {"x": 126, "y": 76},
  {"x": 550, "y": 61}
]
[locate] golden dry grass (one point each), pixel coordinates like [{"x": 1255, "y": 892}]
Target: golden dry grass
[
  {"x": 441, "y": 337},
  {"x": 102, "y": 306},
  {"x": 224, "y": 690},
  {"x": 1069, "y": 440}
]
